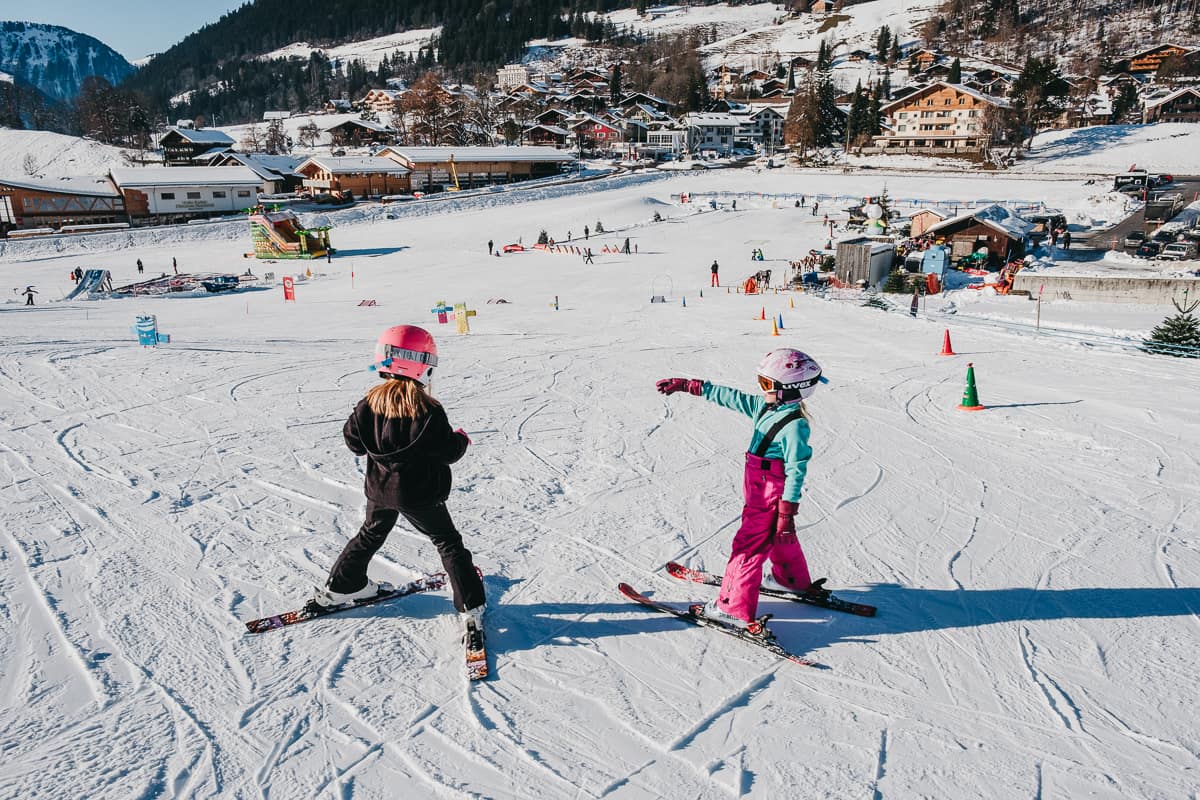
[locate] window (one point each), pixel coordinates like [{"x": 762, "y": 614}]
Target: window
[
  {"x": 243, "y": 193},
  {"x": 962, "y": 101},
  {"x": 218, "y": 195},
  {"x": 193, "y": 195},
  {"x": 168, "y": 195}
]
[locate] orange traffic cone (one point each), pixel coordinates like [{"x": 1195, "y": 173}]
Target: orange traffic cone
[
  {"x": 791, "y": 302},
  {"x": 970, "y": 399},
  {"x": 947, "y": 350},
  {"x": 774, "y": 328},
  {"x": 763, "y": 315}
]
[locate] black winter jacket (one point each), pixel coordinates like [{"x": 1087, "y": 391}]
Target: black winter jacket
[{"x": 408, "y": 460}]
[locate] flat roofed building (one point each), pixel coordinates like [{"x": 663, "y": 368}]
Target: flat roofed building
[
  {"x": 369, "y": 176},
  {"x": 183, "y": 192},
  {"x": 477, "y": 166}
]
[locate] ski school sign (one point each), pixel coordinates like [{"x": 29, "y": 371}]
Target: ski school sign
[{"x": 289, "y": 288}]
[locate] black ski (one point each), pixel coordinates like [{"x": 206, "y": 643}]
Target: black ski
[
  {"x": 766, "y": 641},
  {"x": 313, "y": 610},
  {"x": 823, "y": 599}
]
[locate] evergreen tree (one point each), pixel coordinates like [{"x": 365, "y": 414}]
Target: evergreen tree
[
  {"x": 1178, "y": 335},
  {"x": 791, "y": 76},
  {"x": 955, "y": 75},
  {"x": 895, "y": 54},
  {"x": 883, "y": 43},
  {"x": 897, "y": 282},
  {"x": 857, "y": 124},
  {"x": 614, "y": 85}
]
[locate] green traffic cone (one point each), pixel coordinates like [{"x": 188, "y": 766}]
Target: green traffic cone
[{"x": 970, "y": 399}]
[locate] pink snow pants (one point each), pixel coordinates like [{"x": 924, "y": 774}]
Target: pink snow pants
[{"x": 756, "y": 542}]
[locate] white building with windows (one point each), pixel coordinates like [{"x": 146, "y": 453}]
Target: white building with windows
[
  {"x": 186, "y": 190},
  {"x": 708, "y": 132},
  {"x": 510, "y": 76}
]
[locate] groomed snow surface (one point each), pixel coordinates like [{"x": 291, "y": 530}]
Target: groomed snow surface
[{"x": 1034, "y": 563}]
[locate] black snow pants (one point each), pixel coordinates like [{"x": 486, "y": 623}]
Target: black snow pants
[{"x": 349, "y": 572}]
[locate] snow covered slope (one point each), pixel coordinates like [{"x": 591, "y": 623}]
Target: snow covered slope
[
  {"x": 56, "y": 154},
  {"x": 1172, "y": 147},
  {"x": 368, "y": 51},
  {"x": 1034, "y": 564}
]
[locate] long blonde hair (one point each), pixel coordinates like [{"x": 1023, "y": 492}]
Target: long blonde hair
[{"x": 400, "y": 397}]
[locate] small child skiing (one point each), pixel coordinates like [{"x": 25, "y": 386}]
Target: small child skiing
[
  {"x": 776, "y": 464},
  {"x": 409, "y": 445}
]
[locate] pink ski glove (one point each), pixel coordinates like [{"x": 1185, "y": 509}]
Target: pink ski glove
[
  {"x": 464, "y": 435},
  {"x": 673, "y": 385},
  {"x": 785, "y": 524}
]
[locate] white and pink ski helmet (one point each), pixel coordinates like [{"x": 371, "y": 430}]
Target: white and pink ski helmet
[
  {"x": 406, "y": 351},
  {"x": 792, "y": 375}
]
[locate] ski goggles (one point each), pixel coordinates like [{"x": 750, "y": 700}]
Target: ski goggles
[
  {"x": 771, "y": 385},
  {"x": 392, "y": 354}
]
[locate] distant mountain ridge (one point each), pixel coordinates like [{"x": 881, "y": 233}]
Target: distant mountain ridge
[{"x": 56, "y": 60}]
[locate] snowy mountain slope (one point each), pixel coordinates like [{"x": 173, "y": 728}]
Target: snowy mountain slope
[
  {"x": 56, "y": 59},
  {"x": 56, "y": 154},
  {"x": 1032, "y": 563},
  {"x": 368, "y": 51}
]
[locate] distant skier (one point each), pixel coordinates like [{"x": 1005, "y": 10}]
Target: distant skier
[
  {"x": 175, "y": 265},
  {"x": 1066, "y": 240},
  {"x": 814, "y": 207},
  {"x": 587, "y": 256},
  {"x": 776, "y": 464},
  {"x": 29, "y": 293},
  {"x": 491, "y": 244},
  {"x": 139, "y": 266},
  {"x": 716, "y": 281},
  {"x": 409, "y": 447},
  {"x": 626, "y": 249},
  {"x": 586, "y": 233},
  {"x": 735, "y": 205}
]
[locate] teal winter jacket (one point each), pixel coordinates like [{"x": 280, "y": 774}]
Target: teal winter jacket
[{"x": 790, "y": 445}]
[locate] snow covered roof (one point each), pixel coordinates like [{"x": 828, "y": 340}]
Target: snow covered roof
[
  {"x": 265, "y": 165},
  {"x": 1172, "y": 96},
  {"x": 89, "y": 185},
  {"x": 554, "y": 129},
  {"x": 203, "y": 136},
  {"x": 434, "y": 155},
  {"x": 958, "y": 87},
  {"x": 348, "y": 165},
  {"x": 137, "y": 177},
  {"x": 378, "y": 127},
  {"x": 996, "y": 217},
  {"x": 706, "y": 120}
]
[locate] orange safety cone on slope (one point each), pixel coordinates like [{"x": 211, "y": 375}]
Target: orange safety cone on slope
[
  {"x": 970, "y": 399},
  {"x": 763, "y": 314},
  {"x": 774, "y": 328},
  {"x": 947, "y": 350}
]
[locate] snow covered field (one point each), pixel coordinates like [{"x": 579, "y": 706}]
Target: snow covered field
[
  {"x": 1034, "y": 564},
  {"x": 55, "y": 155}
]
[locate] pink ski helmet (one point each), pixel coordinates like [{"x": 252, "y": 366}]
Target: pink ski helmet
[
  {"x": 406, "y": 351},
  {"x": 792, "y": 375}
]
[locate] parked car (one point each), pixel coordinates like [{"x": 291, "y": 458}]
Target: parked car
[
  {"x": 1149, "y": 250},
  {"x": 1179, "y": 251},
  {"x": 1162, "y": 179},
  {"x": 1166, "y": 237},
  {"x": 1135, "y": 238}
]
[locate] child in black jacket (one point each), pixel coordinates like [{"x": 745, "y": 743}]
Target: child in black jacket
[{"x": 409, "y": 445}]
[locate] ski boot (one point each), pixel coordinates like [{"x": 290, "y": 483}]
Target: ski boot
[{"x": 711, "y": 611}]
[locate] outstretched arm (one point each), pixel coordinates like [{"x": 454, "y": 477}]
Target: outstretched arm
[{"x": 735, "y": 399}]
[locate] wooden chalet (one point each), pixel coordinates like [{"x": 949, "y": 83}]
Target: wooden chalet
[
  {"x": 1003, "y": 234},
  {"x": 546, "y": 135},
  {"x": 821, "y": 7},
  {"x": 181, "y": 147},
  {"x": 942, "y": 118},
  {"x": 923, "y": 220},
  {"x": 922, "y": 60},
  {"x": 371, "y": 176},
  {"x": 382, "y": 101},
  {"x": 357, "y": 132},
  {"x": 1182, "y": 105},
  {"x": 436, "y": 167},
  {"x": 1150, "y": 60},
  {"x": 278, "y": 172},
  {"x": 53, "y": 202}
]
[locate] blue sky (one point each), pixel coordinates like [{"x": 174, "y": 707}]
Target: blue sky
[{"x": 134, "y": 28}]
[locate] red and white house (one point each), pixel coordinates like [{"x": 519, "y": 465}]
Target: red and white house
[{"x": 595, "y": 132}]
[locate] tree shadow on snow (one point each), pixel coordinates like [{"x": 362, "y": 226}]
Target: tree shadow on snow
[{"x": 913, "y": 610}]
